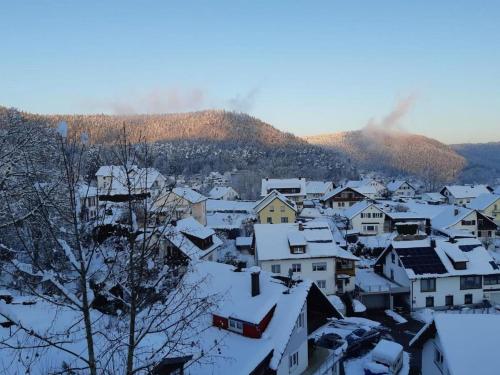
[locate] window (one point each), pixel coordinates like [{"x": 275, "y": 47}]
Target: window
[
  {"x": 236, "y": 325},
  {"x": 341, "y": 204},
  {"x": 297, "y": 249},
  {"x": 319, "y": 266},
  {"x": 491, "y": 279},
  {"x": 271, "y": 208},
  {"x": 393, "y": 258},
  {"x": 293, "y": 360},
  {"x": 448, "y": 300},
  {"x": 300, "y": 320},
  {"x": 269, "y": 220},
  {"x": 392, "y": 274},
  {"x": 321, "y": 284},
  {"x": 276, "y": 268},
  {"x": 370, "y": 228},
  {"x": 438, "y": 357},
  {"x": 429, "y": 301},
  {"x": 428, "y": 285},
  {"x": 282, "y": 208},
  {"x": 284, "y": 220},
  {"x": 468, "y": 222},
  {"x": 296, "y": 267},
  {"x": 468, "y": 299},
  {"x": 470, "y": 282}
]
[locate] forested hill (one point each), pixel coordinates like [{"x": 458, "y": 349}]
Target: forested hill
[
  {"x": 212, "y": 125},
  {"x": 205, "y": 141},
  {"x": 483, "y": 161},
  {"x": 395, "y": 152}
]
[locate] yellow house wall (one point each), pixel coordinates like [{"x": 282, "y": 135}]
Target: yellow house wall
[{"x": 278, "y": 212}]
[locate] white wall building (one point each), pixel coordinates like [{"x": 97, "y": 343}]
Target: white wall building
[
  {"x": 365, "y": 218},
  {"x": 401, "y": 189},
  {"x": 309, "y": 250},
  {"x": 439, "y": 273},
  {"x": 463, "y": 194}
]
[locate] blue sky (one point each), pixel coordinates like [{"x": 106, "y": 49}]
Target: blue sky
[{"x": 307, "y": 67}]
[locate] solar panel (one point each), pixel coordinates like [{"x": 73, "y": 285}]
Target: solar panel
[{"x": 421, "y": 260}]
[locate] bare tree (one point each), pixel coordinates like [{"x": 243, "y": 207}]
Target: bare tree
[{"x": 129, "y": 303}]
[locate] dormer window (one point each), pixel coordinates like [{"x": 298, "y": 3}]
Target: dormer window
[{"x": 297, "y": 249}]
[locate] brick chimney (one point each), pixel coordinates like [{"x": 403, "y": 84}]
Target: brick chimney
[{"x": 255, "y": 278}]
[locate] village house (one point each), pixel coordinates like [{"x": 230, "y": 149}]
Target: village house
[
  {"x": 260, "y": 324},
  {"x": 365, "y": 218},
  {"x": 488, "y": 205},
  {"x": 401, "y": 189},
  {"x": 276, "y": 208},
  {"x": 342, "y": 197},
  {"x": 292, "y": 188},
  {"x": 316, "y": 189},
  {"x": 442, "y": 344},
  {"x": 115, "y": 180},
  {"x": 181, "y": 203},
  {"x": 440, "y": 273},
  {"x": 307, "y": 251},
  {"x": 455, "y": 219},
  {"x": 231, "y": 218},
  {"x": 89, "y": 201},
  {"x": 373, "y": 189},
  {"x": 224, "y": 193},
  {"x": 463, "y": 194},
  {"x": 433, "y": 198},
  {"x": 187, "y": 240}
]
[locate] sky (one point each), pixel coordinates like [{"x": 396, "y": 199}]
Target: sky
[{"x": 307, "y": 67}]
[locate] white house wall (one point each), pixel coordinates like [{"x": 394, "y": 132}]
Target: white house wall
[
  {"x": 307, "y": 270},
  {"x": 358, "y": 223},
  {"x": 297, "y": 343}
]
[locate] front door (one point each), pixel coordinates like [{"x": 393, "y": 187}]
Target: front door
[{"x": 340, "y": 286}]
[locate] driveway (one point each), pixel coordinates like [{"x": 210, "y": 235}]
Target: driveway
[{"x": 402, "y": 334}]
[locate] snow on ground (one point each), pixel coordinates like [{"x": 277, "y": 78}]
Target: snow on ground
[
  {"x": 394, "y": 315},
  {"x": 358, "y": 306},
  {"x": 356, "y": 366}
]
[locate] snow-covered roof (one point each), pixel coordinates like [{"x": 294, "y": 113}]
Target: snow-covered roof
[
  {"x": 421, "y": 260},
  {"x": 189, "y": 194},
  {"x": 310, "y": 213},
  {"x": 217, "y": 205},
  {"x": 338, "y": 190},
  {"x": 218, "y": 192},
  {"x": 318, "y": 187},
  {"x": 227, "y": 220},
  {"x": 387, "y": 351},
  {"x": 272, "y": 241},
  {"x": 433, "y": 197},
  {"x": 396, "y": 184},
  {"x": 450, "y": 216},
  {"x": 234, "y": 288},
  {"x": 483, "y": 201},
  {"x": 269, "y": 184},
  {"x": 244, "y": 241},
  {"x": 482, "y": 331},
  {"x": 139, "y": 178},
  {"x": 177, "y": 234},
  {"x": 270, "y": 197},
  {"x": 466, "y": 191},
  {"x": 362, "y": 187},
  {"x": 358, "y": 207}
]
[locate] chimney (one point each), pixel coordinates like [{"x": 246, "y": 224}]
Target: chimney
[
  {"x": 456, "y": 211},
  {"x": 255, "y": 275},
  {"x": 267, "y": 178},
  {"x": 173, "y": 223},
  {"x": 433, "y": 243},
  {"x": 301, "y": 226}
]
